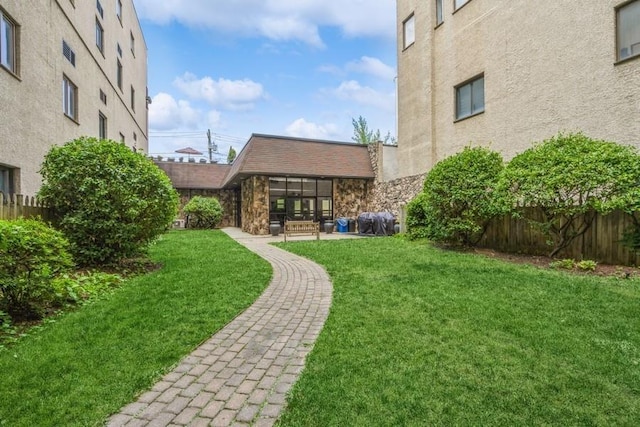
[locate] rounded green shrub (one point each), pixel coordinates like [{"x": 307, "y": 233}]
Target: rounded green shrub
[
  {"x": 417, "y": 217},
  {"x": 460, "y": 197},
  {"x": 110, "y": 201},
  {"x": 203, "y": 212},
  {"x": 570, "y": 178},
  {"x": 32, "y": 254}
]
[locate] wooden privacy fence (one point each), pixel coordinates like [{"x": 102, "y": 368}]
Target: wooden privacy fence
[
  {"x": 16, "y": 206},
  {"x": 601, "y": 242}
]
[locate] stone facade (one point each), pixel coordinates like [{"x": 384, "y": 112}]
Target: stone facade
[
  {"x": 391, "y": 195},
  {"x": 255, "y": 205},
  {"x": 350, "y": 197},
  {"x": 225, "y": 197}
]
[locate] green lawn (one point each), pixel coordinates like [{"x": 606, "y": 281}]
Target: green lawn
[
  {"x": 89, "y": 363},
  {"x": 417, "y": 336}
]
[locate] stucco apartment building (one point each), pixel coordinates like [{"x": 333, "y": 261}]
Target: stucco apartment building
[
  {"x": 503, "y": 74},
  {"x": 67, "y": 68}
]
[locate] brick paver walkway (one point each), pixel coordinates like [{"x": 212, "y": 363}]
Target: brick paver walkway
[{"x": 241, "y": 375}]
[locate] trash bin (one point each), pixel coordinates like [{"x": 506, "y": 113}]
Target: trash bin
[
  {"x": 352, "y": 225},
  {"x": 342, "y": 225}
]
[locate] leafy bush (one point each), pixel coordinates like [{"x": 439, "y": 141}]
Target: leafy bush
[
  {"x": 417, "y": 218},
  {"x": 203, "y": 212},
  {"x": 111, "y": 202},
  {"x": 570, "y": 178},
  {"x": 459, "y": 196},
  {"x": 31, "y": 255}
]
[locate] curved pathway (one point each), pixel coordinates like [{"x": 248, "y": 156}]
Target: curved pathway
[{"x": 241, "y": 375}]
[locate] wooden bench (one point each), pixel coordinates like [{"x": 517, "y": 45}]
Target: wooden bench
[{"x": 301, "y": 227}]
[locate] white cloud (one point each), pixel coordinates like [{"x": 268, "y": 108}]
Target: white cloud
[
  {"x": 280, "y": 20},
  {"x": 301, "y": 128},
  {"x": 165, "y": 113},
  {"x": 352, "y": 91},
  {"x": 372, "y": 66},
  {"x": 229, "y": 94}
]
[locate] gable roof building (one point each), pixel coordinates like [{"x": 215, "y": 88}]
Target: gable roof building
[{"x": 275, "y": 178}]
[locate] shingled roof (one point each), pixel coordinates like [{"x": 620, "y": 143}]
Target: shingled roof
[
  {"x": 276, "y": 156},
  {"x": 201, "y": 176}
]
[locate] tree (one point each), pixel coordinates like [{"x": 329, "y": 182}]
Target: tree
[
  {"x": 460, "y": 198},
  {"x": 110, "y": 201},
  {"x": 570, "y": 178},
  {"x": 363, "y": 135},
  {"x": 231, "y": 156}
]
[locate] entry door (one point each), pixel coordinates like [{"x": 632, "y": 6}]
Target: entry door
[{"x": 309, "y": 209}]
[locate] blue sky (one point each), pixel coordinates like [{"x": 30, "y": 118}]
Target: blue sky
[{"x": 300, "y": 68}]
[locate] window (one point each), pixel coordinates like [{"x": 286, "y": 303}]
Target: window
[
  {"x": 8, "y": 43},
  {"x": 409, "y": 29},
  {"x": 457, "y": 4},
  {"x": 133, "y": 99},
  {"x": 119, "y": 50},
  {"x": 69, "y": 98},
  {"x": 99, "y": 36},
  {"x": 628, "y": 26},
  {"x": 133, "y": 44},
  {"x": 103, "y": 97},
  {"x": 470, "y": 98},
  {"x": 68, "y": 53},
  {"x": 439, "y": 16},
  {"x": 119, "y": 10},
  {"x": 119, "y": 75},
  {"x": 121, "y": 137},
  {"x": 300, "y": 198},
  {"x": 7, "y": 180},
  {"x": 100, "y": 9},
  {"x": 102, "y": 126}
]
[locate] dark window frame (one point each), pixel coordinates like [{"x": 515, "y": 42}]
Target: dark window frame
[
  {"x": 12, "y": 64},
  {"x": 473, "y": 112},
  {"x": 633, "y": 46}
]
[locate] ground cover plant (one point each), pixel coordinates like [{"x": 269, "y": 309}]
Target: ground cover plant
[
  {"x": 421, "y": 336},
  {"x": 81, "y": 367}
]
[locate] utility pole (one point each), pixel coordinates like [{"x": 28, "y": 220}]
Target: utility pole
[{"x": 213, "y": 148}]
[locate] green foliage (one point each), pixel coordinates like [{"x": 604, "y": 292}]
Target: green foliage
[
  {"x": 31, "y": 255},
  {"x": 459, "y": 196},
  {"x": 203, "y": 212},
  {"x": 417, "y": 217},
  {"x": 86, "y": 365},
  {"x": 80, "y": 287},
  {"x": 363, "y": 135},
  {"x": 231, "y": 156},
  {"x": 587, "y": 265},
  {"x": 111, "y": 202},
  {"x": 564, "y": 264},
  {"x": 570, "y": 177}
]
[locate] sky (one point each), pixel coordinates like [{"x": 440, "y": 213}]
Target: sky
[{"x": 298, "y": 68}]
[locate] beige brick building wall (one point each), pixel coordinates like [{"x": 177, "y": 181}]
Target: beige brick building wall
[
  {"x": 548, "y": 66},
  {"x": 31, "y": 100}
]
